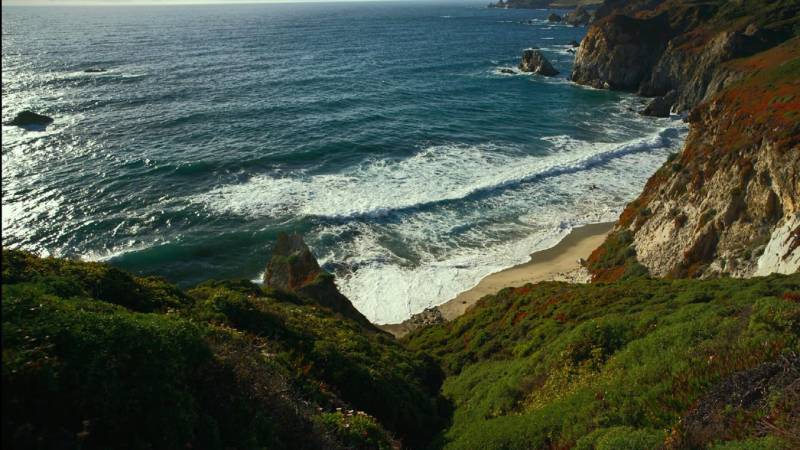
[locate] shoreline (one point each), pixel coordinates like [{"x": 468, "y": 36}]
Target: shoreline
[{"x": 557, "y": 263}]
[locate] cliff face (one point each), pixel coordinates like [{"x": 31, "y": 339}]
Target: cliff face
[
  {"x": 657, "y": 46},
  {"x": 730, "y": 202}
]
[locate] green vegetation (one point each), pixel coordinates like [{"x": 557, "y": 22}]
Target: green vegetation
[
  {"x": 616, "y": 258},
  {"x": 624, "y": 365},
  {"x": 96, "y": 358}
]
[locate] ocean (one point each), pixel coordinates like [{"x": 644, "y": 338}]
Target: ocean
[{"x": 385, "y": 133}]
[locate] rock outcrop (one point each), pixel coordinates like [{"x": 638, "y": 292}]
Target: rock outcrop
[
  {"x": 294, "y": 268},
  {"x": 729, "y": 203},
  {"x": 31, "y": 120},
  {"x": 621, "y": 53},
  {"x": 661, "y": 106},
  {"x": 539, "y": 4},
  {"x": 580, "y": 16},
  {"x": 656, "y": 46},
  {"x": 534, "y": 61},
  {"x": 554, "y": 18}
]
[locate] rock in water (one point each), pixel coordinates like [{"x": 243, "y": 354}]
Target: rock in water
[
  {"x": 294, "y": 268},
  {"x": 508, "y": 71},
  {"x": 578, "y": 17},
  {"x": 534, "y": 61},
  {"x": 31, "y": 120},
  {"x": 660, "y": 106},
  {"x": 574, "y": 43},
  {"x": 95, "y": 70},
  {"x": 554, "y": 18}
]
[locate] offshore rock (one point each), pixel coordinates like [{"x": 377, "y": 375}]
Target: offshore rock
[
  {"x": 554, "y": 18},
  {"x": 294, "y": 268},
  {"x": 534, "y": 61},
  {"x": 660, "y": 106},
  {"x": 30, "y": 120}
]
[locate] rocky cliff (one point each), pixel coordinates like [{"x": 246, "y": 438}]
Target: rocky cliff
[
  {"x": 729, "y": 203},
  {"x": 537, "y": 4},
  {"x": 657, "y": 46}
]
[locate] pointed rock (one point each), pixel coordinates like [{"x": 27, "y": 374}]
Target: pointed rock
[
  {"x": 534, "y": 61},
  {"x": 294, "y": 268}
]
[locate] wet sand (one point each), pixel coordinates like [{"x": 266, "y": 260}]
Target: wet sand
[{"x": 561, "y": 262}]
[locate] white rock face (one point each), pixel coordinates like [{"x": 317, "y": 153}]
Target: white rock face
[{"x": 782, "y": 254}]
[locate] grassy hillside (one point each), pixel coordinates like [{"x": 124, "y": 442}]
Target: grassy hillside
[
  {"x": 637, "y": 364},
  {"x": 96, "y": 358}
]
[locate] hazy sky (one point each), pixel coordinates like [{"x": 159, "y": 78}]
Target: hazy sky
[{"x": 148, "y": 2}]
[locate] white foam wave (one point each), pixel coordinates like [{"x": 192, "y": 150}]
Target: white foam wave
[
  {"x": 504, "y": 72},
  {"x": 394, "y": 270},
  {"x": 388, "y": 292},
  {"x": 434, "y": 174}
]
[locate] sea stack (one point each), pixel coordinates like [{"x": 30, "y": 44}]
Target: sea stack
[{"x": 534, "y": 61}]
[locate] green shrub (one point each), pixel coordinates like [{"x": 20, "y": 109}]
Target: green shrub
[{"x": 622, "y": 438}]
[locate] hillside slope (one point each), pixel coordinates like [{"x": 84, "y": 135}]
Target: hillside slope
[
  {"x": 638, "y": 364},
  {"x": 95, "y": 358}
]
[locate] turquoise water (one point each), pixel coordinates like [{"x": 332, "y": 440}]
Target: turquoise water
[{"x": 384, "y": 132}]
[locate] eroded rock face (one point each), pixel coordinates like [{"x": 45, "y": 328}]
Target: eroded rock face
[
  {"x": 699, "y": 74},
  {"x": 656, "y": 46},
  {"x": 534, "y": 61},
  {"x": 621, "y": 53},
  {"x": 580, "y": 16},
  {"x": 294, "y": 268},
  {"x": 729, "y": 204}
]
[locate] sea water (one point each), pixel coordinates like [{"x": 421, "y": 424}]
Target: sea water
[{"x": 386, "y": 133}]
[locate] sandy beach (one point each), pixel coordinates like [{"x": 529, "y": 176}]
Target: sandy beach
[{"x": 560, "y": 262}]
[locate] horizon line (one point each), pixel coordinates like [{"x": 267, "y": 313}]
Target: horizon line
[{"x": 202, "y": 2}]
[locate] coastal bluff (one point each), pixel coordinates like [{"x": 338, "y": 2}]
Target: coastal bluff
[{"x": 728, "y": 203}]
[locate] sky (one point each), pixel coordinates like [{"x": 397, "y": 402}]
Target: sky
[{"x": 149, "y": 2}]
